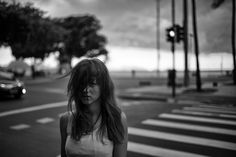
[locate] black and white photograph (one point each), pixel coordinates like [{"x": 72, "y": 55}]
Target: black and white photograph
[{"x": 117, "y": 78}]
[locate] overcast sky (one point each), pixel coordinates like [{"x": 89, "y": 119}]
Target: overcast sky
[{"x": 133, "y": 22}]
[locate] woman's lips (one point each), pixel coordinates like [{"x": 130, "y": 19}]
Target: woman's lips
[{"x": 86, "y": 97}]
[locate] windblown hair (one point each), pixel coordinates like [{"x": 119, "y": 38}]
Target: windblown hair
[{"x": 83, "y": 74}]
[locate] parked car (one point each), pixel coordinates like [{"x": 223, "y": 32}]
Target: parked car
[{"x": 10, "y": 86}]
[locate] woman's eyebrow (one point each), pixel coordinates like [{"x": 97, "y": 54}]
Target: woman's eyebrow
[{"x": 94, "y": 81}]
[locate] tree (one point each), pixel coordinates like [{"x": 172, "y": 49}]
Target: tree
[
  {"x": 216, "y": 4},
  {"x": 27, "y": 32},
  {"x": 82, "y": 38},
  {"x": 14, "y": 21},
  {"x": 30, "y": 34},
  {"x": 41, "y": 40},
  {"x": 198, "y": 75}
]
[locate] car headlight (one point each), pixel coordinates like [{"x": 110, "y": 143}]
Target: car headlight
[{"x": 23, "y": 90}]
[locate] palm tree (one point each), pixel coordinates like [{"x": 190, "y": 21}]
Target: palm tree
[
  {"x": 216, "y": 4},
  {"x": 194, "y": 19}
]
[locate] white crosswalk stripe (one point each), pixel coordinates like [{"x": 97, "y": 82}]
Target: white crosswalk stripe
[
  {"x": 231, "y": 108},
  {"x": 157, "y": 151},
  {"x": 204, "y": 113},
  {"x": 209, "y": 110},
  {"x": 189, "y": 127},
  {"x": 197, "y": 119},
  {"x": 227, "y": 116}
]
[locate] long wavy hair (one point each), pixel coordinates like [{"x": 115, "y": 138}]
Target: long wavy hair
[{"x": 83, "y": 74}]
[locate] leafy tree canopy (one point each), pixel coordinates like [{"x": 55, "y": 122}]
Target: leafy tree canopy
[
  {"x": 30, "y": 34},
  {"x": 15, "y": 20},
  {"x": 83, "y": 37}
]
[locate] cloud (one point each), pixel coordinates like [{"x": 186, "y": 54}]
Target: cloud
[
  {"x": 216, "y": 27},
  {"x": 133, "y": 22},
  {"x": 132, "y": 29}
]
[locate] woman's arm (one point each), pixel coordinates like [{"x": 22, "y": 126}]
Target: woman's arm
[
  {"x": 63, "y": 128},
  {"x": 120, "y": 150}
]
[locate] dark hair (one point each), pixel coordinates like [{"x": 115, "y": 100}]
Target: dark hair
[{"x": 81, "y": 75}]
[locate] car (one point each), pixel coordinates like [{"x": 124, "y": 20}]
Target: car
[{"x": 10, "y": 86}]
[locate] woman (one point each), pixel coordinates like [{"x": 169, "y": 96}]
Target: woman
[{"x": 94, "y": 125}]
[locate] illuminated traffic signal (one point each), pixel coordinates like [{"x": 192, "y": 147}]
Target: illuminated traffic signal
[
  {"x": 170, "y": 34},
  {"x": 175, "y": 34}
]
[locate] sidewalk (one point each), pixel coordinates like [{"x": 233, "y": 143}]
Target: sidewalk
[
  {"x": 222, "y": 93},
  {"x": 40, "y": 79}
]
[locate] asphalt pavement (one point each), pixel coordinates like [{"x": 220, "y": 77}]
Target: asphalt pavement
[
  {"x": 212, "y": 92},
  {"x": 197, "y": 124}
]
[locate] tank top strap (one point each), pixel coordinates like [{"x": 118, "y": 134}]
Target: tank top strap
[{"x": 69, "y": 124}]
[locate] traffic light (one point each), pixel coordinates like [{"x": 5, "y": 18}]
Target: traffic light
[
  {"x": 170, "y": 34},
  {"x": 179, "y": 33},
  {"x": 175, "y": 33}
]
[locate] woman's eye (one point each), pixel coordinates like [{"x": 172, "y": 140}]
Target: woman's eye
[{"x": 92, "y": 84}]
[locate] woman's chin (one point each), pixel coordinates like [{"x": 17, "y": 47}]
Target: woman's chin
[{"x": 86, "y": 102}]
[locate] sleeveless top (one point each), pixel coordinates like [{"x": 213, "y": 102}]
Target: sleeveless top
[{"x": 89, "y": 145}]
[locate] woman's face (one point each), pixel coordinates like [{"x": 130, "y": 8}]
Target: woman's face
[{"x": 91, "y": 93}]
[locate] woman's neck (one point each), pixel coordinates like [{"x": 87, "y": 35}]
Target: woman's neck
[{"x": 94, "y": 110}]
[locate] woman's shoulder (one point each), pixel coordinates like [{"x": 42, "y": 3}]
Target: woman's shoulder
[
  {"x": 64, "y": 117},
  {"x": 123, "y": 119},
  {"x": 123, "y": 115}
]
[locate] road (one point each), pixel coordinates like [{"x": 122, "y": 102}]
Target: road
[{"x": 30, "y": 126}]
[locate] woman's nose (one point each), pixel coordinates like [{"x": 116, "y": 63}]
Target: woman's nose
[{"x": 86, "y": 89}]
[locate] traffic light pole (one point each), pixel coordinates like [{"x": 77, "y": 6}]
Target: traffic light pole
[{"x": 173, "y": 49}]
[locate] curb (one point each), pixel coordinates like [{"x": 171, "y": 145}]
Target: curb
[
  {"x": 139, "y": 97},
  {"x": 167, "y": 99}
]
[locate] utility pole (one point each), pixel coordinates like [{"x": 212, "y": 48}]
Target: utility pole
[
  {"x": 158, "y": 35},
  {"x": 173, "y": 48},
  {"x": 185, "y": 43},
  {"x": 233, "y": 41}
]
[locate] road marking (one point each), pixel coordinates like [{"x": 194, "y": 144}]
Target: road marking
[
  {"x": 198, "y": 119},
  {"x": 203, "y": 113},
  {"x": 157, "y": 151},
  {"x": 219, "y": 107},
  {"x": 55, "y": 90},
  {"x": 44, "y": 120},
  {"x": 182, "y": 138},
  {"x": 193, "y": 112},
  {"x": 227, "y": 116},
  {"x": 208, "y": 110},
  {"x": 189, "y": 127},
  {"x": 20, "y": 126},
  {"x": 34, "y": 108},
  {"x": 130, "y": 103}
]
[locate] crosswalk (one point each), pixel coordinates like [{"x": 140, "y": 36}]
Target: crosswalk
[
  {"x": 192, "y": 131},
  {"x": 199, "y": 130}
]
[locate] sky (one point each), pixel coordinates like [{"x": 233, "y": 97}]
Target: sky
[{"x": 131, "y": 24}]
